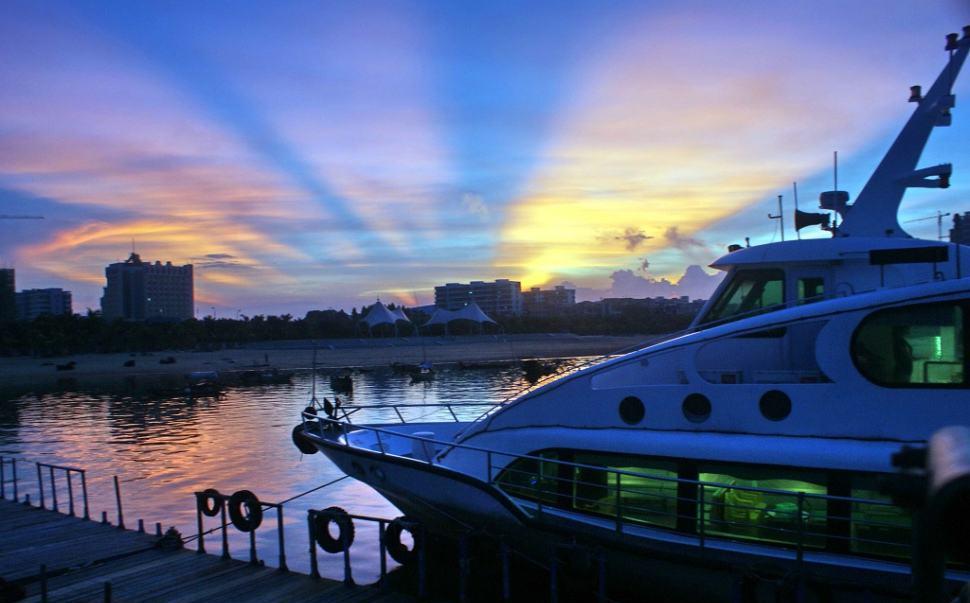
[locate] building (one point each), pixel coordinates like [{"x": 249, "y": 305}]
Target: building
[
  {"x": 499, "y": 298},
  {"x": 552, "y": 302},
  {"x": 138, "y": 290},
  {"x": 960, "y": 233},
  {"x": 8, "y": 303},
  {"x": 32, "y": 303}
]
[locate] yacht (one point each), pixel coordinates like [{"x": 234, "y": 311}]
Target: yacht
[{"x": 750, "y": 447}]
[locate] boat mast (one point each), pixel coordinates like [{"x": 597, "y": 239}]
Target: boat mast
[{"x": 875, "y": 211}]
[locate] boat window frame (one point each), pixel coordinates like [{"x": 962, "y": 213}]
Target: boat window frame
[
  {"x": 964, "y": 306},
  {"x": 731, "y": 286}
]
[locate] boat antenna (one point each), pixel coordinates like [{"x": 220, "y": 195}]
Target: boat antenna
[
  {"x": 794, "y": 186},
  {"x": 780, "y": 217},
  {"x": 835, "y": 187}
]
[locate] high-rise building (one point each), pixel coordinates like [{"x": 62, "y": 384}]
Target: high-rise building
[
  {"x": 499, "y": 298},
  {"x": 552, "y": 302},
  {"x": 960, "y": 233},
  {"x": 8, "y": 303},
  {"x": 138, "y": 290},
  {"x": 32, "y": 303}
]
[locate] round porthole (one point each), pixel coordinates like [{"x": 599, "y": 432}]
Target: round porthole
[
  {"x": 697, "y": 408},
  {"x": 631, "y": 410},
  {"x": 775, "y": 405}
]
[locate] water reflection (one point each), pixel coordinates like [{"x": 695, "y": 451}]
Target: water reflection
[{"x": 164, "y": 446}]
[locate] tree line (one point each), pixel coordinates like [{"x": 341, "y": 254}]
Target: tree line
[{"x": 77, "y": 334}]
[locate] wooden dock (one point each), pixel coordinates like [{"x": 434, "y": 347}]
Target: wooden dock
[{"x": 84, "y": 559}]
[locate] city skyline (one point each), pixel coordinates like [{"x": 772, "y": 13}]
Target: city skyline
[{"x": 304, "y": 157}]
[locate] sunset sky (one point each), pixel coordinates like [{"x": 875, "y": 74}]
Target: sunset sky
[{"x": 321, "y": 154}]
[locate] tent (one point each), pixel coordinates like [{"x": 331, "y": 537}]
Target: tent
[
  {"x": 380, "y": 315},
  {"x": 470, "y": 312}
]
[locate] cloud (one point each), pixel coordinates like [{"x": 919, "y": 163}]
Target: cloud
[
  {"x": 644, "y": 264},
  {"x": 675, "y": 239},
  {"x": 695, "y": 283},
  {"x": 632, "y": 237}
]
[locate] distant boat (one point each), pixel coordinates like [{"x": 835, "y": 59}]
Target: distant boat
[
  {"x": 424, "y": 372},
  {"x": 342, "y": 382}
]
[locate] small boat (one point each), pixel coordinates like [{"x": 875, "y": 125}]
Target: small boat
[
  {"x": 342, "y": 382},
  {"x": 424, "y": 372}
]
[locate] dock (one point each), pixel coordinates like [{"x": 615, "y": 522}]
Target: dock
[{"x": 57, "y": 557}]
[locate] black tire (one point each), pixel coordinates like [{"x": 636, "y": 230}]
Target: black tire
[
  {"x": 392, "y": 541},
  {"x": 211, "y": 502},
  {"x": 300, "y": 441},
  {"x": 252, "y": 518},
  {"x": 321, "y": 526}
]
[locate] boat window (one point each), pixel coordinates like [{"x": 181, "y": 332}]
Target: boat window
[
  {"x": 750, "y": 292},
  {"x": 919, "y": 345},
  {"x": 533, "y": 479},
  {"x": 810, "y": 289},
  {"x": 878, "y": 527},
  {"x": 736, "y": 506},
  {"x": 650, "y": 497}
]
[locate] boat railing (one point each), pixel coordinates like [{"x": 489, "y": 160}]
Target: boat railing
[
  {"x": 347, "y": 412},
  {"x": 797, "y": 520}
]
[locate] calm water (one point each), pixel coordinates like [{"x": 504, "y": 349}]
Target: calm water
[{"x": 164, "y": 447}]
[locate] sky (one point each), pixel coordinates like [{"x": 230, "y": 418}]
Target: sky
[{"x": 310, "y": 155}]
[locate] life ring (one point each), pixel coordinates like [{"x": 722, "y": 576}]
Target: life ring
[
  {"x": 210, "y": 502},
  {"x": 392, "y": 540},
  {"x": 253, "y": 516},
  {"x": 300, "y": 441},
  {"x": 345, "y": 526}
]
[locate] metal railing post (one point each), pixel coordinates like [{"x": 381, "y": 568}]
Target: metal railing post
[
  {"x": 198, "y": 523},
  {"x": 345, "y": 545},
  {"x": 70, "y": 494},
  {"x": 84, "y": 493},
  {"x": 382, "y": 545},
  {"x": 121, "y": 516},
  {"x": 280, "y": 536},
  {"x": 701, "y": 511},
  {"x": 225, "y": 529},
  {"x": 40, "y": 486},
  {"x": 13, "y": 469},
  {"x": 43, "y": 583},
  {"x": 800, "y": 552},
  {"x": 253, "y": 560},
  {"x": 314, "y": 570},
  {"x": 50, "y": 469},
  {"x": 488, "y": 467},
  {"x": 3, "y": 478},
  {"x": 618, "y": 493},
  {"x": 380, "y": 444}
]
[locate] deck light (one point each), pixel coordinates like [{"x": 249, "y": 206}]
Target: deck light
[
  {"x": 915, "y": 94},
  {"x": 951, "y": 42}
]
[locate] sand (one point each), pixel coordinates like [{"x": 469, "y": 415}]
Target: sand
[{"x": 331, "y": 354}]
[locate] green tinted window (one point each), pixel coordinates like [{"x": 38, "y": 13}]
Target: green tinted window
[
  {"x": 879, "y": 527},
  {"x": 811, "y": 289},
  {"x": 532, "y": 479},
  {"x": 749, "y": 292},
  {"x": 733, "y": 508},
  {"x": 919, "y": 345},
  {"x": 649, "y": 497}
]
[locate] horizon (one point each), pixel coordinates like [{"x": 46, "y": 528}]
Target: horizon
[{"x": 306, "y": 157}]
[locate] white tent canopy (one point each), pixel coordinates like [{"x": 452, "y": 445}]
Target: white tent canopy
[
  {"x": 400, "y": 315},
  {"x": 380, "y": 315},
  {"x": 470, "y": 312}
]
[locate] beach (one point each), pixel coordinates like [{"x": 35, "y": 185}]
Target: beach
[{"x": 331, "y": 354}]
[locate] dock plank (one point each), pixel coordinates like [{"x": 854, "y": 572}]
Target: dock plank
[{"x": 81, "y": 556}]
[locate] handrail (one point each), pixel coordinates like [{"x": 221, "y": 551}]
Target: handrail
[{"x": 799, "y": 533}]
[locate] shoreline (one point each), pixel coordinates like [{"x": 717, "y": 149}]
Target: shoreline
[{"x": 331, "y": 354}]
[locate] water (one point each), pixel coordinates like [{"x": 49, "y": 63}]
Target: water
[{"x": 164, "y": 447}]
